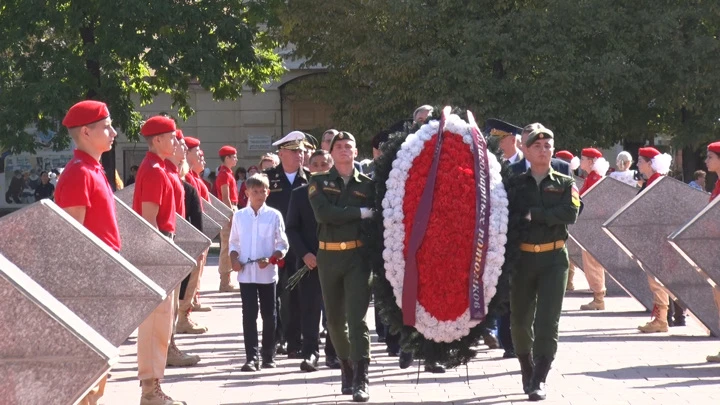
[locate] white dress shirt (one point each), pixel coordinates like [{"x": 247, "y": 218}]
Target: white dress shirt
[
  {"x": 627, "y": 177},
  {"x": 255, "y": 237}
]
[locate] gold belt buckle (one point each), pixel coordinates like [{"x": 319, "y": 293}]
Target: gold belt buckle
[
  {"x": 536, "y": 248},
  {"x": 343, "y": 246}
]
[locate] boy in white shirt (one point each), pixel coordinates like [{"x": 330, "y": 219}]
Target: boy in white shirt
[{"x": 257, "y": 245}]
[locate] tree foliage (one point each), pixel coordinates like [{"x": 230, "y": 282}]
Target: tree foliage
[
  {"x": 53, "y": 54},
  {"x": 596, "y": 71}
]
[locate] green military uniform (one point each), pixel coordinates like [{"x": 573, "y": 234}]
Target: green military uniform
[
  {"x": 343, "y": 265},
  {"x": 539, "y": 280}
]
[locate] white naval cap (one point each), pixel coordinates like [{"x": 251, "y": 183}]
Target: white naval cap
[{"x": 293, "y": 141}]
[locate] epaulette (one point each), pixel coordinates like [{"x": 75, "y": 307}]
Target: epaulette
[
  {"x": 365, "y": 176},
  {"x": 562, "y": 175}
]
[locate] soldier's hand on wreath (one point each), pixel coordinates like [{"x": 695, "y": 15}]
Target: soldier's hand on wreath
[
  {"x": 262, "y": 263},
  {"x": 310, "y": 260},
  {"x": 366, "y": 213},
  {"x": 528, "y": 217}
]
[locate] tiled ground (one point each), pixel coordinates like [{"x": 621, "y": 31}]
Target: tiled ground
[{"x": 602, "y": 359}]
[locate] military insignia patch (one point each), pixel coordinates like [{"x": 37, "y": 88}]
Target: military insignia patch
[
  {"x": 325, "y": 182},
  {"x": 553, "y": 189},
  {"x": 312, "y": 190},
  {"x": 332, "y": 190},
  {"x": 575, "y": 196},
  {"x": 332, "y": 184}
]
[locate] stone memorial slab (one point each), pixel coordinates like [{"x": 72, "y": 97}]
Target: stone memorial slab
[
  {"x": 224, "y": 209},
  {"x": 151, "y": 252},
  {"x": 601, "y": 202},
  {"x": 641, "y": 228},
  {"x": 79, "y": 270},
  {"x": 211, "y": 229},
  {"x": 187, "y": 237},
  {"x": 214, "y": 213},
  {"x": 48, "y": 355},
  {"x": 698, "y": 240}
]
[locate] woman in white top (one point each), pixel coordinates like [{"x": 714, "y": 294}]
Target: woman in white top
[{"x": 624, "y": 161}]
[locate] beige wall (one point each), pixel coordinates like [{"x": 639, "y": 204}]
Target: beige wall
[{"x": 218, "y": 123}]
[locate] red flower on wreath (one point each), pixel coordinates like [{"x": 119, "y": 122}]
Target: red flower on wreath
[{"x": 445, "y": 255}]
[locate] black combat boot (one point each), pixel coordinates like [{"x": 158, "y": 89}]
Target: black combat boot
[
  {"x": 361, "y": 384},
  {"x": 346, "y": 371},
  {"x": 526, "y": 370},
  {"x": 537, "y": 381}
]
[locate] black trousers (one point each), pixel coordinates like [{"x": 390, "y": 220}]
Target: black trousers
[
  {"x": 250, "y": 293},
  {"x": 288, "y": 327},
  {"x": 311, "y": 307},
  {"x": 504, "y": 335}
]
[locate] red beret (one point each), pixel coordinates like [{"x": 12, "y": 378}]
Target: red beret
[
  {"x": 714, "y": 147},
  {"x": 227, "y": 151},
  {"x": 648, "y": 153},
  {"x": 563, "y": 154},
  {"x": 591, "y": 153},
  {"x": 191, "y": 142},
  {"x": 179, "y": 134},
  {"x": 84, "y": 113},
  {"x": 158, "y": 125}
]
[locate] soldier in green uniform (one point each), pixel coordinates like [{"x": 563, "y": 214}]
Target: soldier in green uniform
[
  {"x": 341, "y": 198},
  {"x": 552, "y": 202}
]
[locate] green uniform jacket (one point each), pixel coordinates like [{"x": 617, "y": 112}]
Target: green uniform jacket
[
  {"x": 337, "y": 206},
  {"x": 554, "y": 204}
]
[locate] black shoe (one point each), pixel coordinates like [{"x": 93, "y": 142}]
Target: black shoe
[
  {"x": 381, "y": 339},
  {"x": 310, "y": 363},
  {"x": 537, "y": 382},
  {"x": 361, "y": 384},
  {"x": 526, "y": 370},
  {"x": 269, "y": 363},
  {"x": 294, "y": 354},
  {"x": 509, "y": 354},
  {"x": 679, "y": 321},
  {"x": 281, "y": 348},
  {"x": 406, "y": 360},
  {"x": 332, "y": 362},
  {"x": 434, "y": 367},
  {"x": 346, "y": 375},
  {"x": 393, "y": 352},
  {"x": 251, "y": 365}
]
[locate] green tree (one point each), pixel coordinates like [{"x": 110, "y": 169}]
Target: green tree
[
  {"x": 53, "y": 54},
  {"x": 596, "y": 71}
]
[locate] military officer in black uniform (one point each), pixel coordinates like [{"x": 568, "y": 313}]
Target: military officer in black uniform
[
  {"x": 284, "y": 178},
  {"x": 302, "y": 233}
]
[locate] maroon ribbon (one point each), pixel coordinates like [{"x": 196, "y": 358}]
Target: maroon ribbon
[
  {"x": 482, "y": 218},
  {"x": 420, "y": 223}
]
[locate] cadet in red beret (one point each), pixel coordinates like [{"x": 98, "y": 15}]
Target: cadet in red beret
[
  {"x": 712, "y": 161},
  {"x": 196, "y": 161},
  {"x": 83, "y": 190},
  {"x": 226, "y": 189},
  {"x": 154, "y": 200},
  {"x": 595, "y": 165},
  {"x": 653, "y": 164},
  {"x": 568, "y": 158}
]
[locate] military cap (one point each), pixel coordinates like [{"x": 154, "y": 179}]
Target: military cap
[
  {"x": 341, "y": 136},
  {"x": 310, "y": 142},
  {"x": 648, "y": 153},
  {"x": 191, "y": 142},
  {"x": 539, "y": 133},
  {"x": 501, "y": 129},
  {"x": 179, "y": 134},
  {"x": 292, "y": 141},
  {"x": 84, "y": 113},
  {"x": 564, "y": 154},
  {"x": 158, "y": 125}
]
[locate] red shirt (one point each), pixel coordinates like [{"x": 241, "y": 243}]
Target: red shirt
[
  {"x": 652, "y": 179},
  {"x": 153, "y": 185},
  {"x": 178, "y": 189},
  {"x": 83, "y": 184},
  {"x": 200, "y": 186},
  {"x": 225, "y": 177},
  {"x": 591, "y": 179},
  {"x": 715, "y": 192},
  {"x": 191, "y": 180}
]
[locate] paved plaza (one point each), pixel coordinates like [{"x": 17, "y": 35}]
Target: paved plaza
[{"x": 602, "y": 359}]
